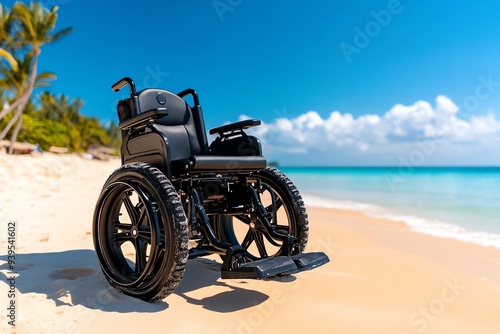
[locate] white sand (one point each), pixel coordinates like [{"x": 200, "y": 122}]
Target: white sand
[{"x": 383, "y": 278}]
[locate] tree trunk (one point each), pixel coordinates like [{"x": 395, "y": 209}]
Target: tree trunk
[
  {"x": 6, "y": 111},
  {"x": 10, "y": 124},
  {"x": 23, "y": 100},
  {"x": 36, "y": 52},
  {"x": 16, "y": 130}
]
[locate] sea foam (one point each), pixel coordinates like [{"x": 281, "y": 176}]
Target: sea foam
[{"x": 432, "y": 227}]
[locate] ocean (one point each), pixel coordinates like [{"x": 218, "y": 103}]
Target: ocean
[{"x": 453, "y": 202}]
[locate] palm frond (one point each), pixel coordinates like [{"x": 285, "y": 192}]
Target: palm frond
[
  {"x": 42, "y": 80},
  {"x": 61, "y": 33},
  {"x": 46, "y": 76},
  {"x": 38, "y": 23},
  {"x": 10, "y": 59}
]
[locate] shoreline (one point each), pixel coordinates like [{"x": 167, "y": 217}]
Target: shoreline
[
  {"x": 433, "y": 227},
  {"x": 470, "y": 258},
  {"x": 382, "y": 276}
]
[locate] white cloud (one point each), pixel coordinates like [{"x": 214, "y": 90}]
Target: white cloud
[{"x": 381, "y": 136}]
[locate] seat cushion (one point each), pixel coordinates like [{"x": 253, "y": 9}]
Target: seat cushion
[{"x": 224, "y": 163}]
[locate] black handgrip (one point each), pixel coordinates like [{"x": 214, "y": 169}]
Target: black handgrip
[{"x": 122, "y": 83}]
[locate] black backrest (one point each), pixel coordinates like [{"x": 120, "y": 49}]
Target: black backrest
[{"x": 179, "y": 126}]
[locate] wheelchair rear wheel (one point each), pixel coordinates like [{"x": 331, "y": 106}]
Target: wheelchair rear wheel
[
  {"x": 140, "y": 232},
  {"x": 286, "y": 213}
]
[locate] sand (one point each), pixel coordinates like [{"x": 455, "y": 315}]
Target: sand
[{"x": 382, "y": 278}]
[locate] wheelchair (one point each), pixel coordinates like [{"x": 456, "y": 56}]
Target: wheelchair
[{"x": 176, "y": 197}]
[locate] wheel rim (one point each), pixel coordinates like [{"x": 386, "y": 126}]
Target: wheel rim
[
  {"x": 129, "y": 233},
  {"x": 252, "y": 236}
]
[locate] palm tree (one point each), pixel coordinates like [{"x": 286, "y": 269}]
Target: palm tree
[
  {"x": 6, "y": 35},
  {"x": 36, "y": 25},
  {"x": 16, "y": 81},
  {"x": 48, "y": 106},
  {"x": 69, "y": 114},
  {"x": 65, "y": 110},
  {"x": 60, "y": 108},
  {"x": 10, "y": 41}
]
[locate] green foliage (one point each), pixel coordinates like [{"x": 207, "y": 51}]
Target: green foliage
[
  {"x": 49, "y": 120},
  {"x": 45, "y": 132},
  {"x": 115, "y": 136},
  {"x": 23, "y": 31},
  {"x": 60, "y": 124},
  {"x": 4, "y": 121},
  {"x": 91, "y": 131},
  {"x": 16, "y": 80}
]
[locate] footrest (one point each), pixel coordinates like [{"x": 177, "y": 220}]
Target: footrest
[
  {"x": 270, "y": 266},
  {"x": 308, "y": 261}
]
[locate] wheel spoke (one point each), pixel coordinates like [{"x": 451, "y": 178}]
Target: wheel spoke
[
  {"x": 259, "y": 241},
  {"x": 140, "y": 256},
  {"x": 145, "y": 234},
  {"x": 243, "y": 219},
  {"x": 121, "y": 226},
  {"x": 275, "y": 206},
  {"x": 121, "y": 237},
  {"x": 273, "y": 218},
  {"x": 142, "y": 213},
  {"x": 247, "y": 241},
  {"x": 131, "y": 210}
]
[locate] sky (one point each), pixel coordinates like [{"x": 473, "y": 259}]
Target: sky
[{"x": 335, "y": 83}]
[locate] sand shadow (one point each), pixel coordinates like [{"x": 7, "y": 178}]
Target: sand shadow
[
  {"x": 74, "y": 278},
  {"x": 203, "y": 272}
]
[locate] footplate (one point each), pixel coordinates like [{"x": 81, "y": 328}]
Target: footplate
[
  {"x": 270, "y": 266},
  {"x": 308, "y": 261}
]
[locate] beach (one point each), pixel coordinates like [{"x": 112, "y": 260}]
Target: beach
[{"x": 382, "y": 276}]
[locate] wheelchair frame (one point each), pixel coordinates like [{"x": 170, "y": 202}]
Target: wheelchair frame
[{"x": 176, "y": 198}]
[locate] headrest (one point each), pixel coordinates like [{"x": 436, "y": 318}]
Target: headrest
[{"x": 178, "y": 110}]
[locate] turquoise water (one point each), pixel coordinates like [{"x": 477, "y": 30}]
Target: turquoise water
[{"x": 456, "y": 202}]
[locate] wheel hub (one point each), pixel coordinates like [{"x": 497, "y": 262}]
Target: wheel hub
[{"x": 134, "y": 231}]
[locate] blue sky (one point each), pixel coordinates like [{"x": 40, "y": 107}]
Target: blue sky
[{"x": 335, "y": 83}]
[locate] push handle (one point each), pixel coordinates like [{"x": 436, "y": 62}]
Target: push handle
[
  {"x": 122, "y": 83},
  {"x": 192, "y": 92}
]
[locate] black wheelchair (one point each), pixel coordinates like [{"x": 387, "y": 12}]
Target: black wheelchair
[{"x": 176, "y": 197}]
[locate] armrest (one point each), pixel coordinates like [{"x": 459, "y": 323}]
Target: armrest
[
  {"x": 248, "y": 123},
  {"x": 143, "y": 119}
]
